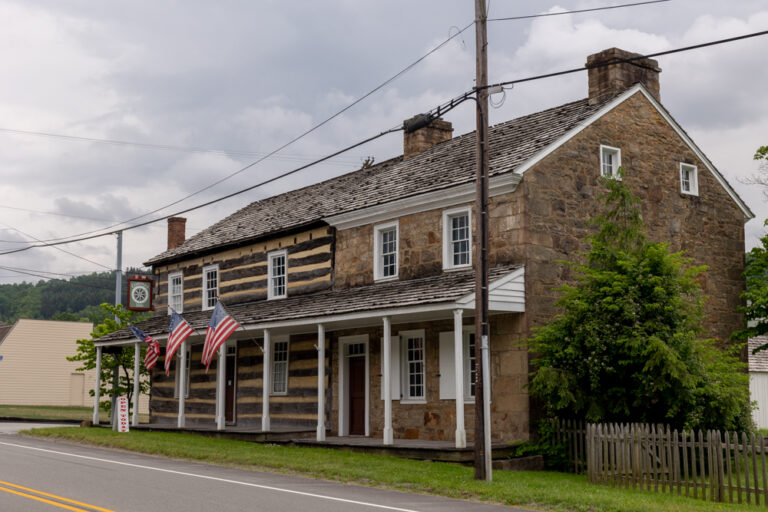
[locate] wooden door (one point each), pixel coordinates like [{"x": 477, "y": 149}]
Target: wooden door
[
  {"x": 357, "y": 396},
  {"x": 231, "y": 385}
]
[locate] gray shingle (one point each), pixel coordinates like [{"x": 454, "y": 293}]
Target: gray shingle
[
  {"x": 446, "y": 287},
  {"x": 445, "y": 165}
]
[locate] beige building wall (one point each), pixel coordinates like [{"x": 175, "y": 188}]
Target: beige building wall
[{"x": 34, "y": 369}]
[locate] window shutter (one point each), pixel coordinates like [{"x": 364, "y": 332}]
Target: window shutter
[
  {"x": 447, "y": 367},
  {"x": 394, "y": 368}
]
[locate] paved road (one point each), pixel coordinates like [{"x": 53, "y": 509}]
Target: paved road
[{"x": 41, "y": 475}]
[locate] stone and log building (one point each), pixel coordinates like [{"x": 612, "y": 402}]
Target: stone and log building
[{"x": 356, "y": 295}]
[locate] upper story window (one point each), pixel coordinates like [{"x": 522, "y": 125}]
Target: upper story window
[
  {"x": 210, "y": 286},
  {"x": 457, "y": 238},
  {"x": 385, "y": 251},
  {"x": 610, "y": 161},
  {"x": 413, "y": 374},
  {"x": 280, "y": 367},
  {"x": 689, "y": 179},
  {"x": 277, "y": 275},
  {"x": 176, "y": 292}
]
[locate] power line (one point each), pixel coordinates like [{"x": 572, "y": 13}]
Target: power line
[
  {"x": 74, "y": 283},
  {"x": 436, "y": 112},
  {"x": 576, "y": 11},
  {"x": 290, "y": 142},
  {"x": 630, "y": 59},
  {"x": 213, "y": 201},
  {"x": 146, "y": 145},
  {"x": 51, "y": 213},
  {"x": 57, "y": 248}
]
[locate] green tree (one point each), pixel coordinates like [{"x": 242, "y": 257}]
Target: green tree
[
  {"x": 627, "y": 346},
  {"x": 122, "y": 359}
]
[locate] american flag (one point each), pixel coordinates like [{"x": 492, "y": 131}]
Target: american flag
[
  {"x": 219, "y": 329},
  {"x": 177, "y": 333},
  {"x": 153, "y": 347}
]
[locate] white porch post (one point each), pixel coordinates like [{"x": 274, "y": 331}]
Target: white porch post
[
  {"x": 221, "y": 387},
  {"x": 265, "y": 380},
  {"x": 97, "y": 388},
  {"x": 386, "y": 354},
  {"x": 320, "y": 382},
  {"x": 113, "y": 396},
  {"x": 136, "y": 388},
  {"x": 458, "y": 357},
  {"x": 182, "y": 369}
]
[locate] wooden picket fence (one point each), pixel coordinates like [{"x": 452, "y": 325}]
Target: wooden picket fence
[
  {"x": 573, "y": 435},
  {"x": 727, "y": 467}
]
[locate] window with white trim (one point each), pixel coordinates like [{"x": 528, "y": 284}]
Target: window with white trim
[
  {"x": 210, "y": 286},
  {"x": 610, "y": 161},
  {"x": 176, "y": 387},
  {"x": 457, "y": 238},
  {"x": 413, "y": 385},
  {"x": 176, "y": 292},
  {"x": 280, "y": 367},
  {"x": 385, "y": 250},
  {"x": 277, "y": 275},
  {"x": 689, "y": 179}
]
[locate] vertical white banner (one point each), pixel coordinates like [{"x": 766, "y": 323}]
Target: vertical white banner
[{"x": 122, "y": 414}]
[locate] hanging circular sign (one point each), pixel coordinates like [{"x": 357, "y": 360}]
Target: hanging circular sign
[{"x": 139, "y": 294}]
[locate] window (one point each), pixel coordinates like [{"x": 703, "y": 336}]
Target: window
[
  {"x": 413, "y": 385},
  {"x": 176, "y": 292},
  {"x": 610, "y": 161},
  {"x": 689, "y": 180},
  {"x": 210, "y": 286},
  {"x": 385, "y": 251},
  {"x": 457, "y": 238},
  {"x": 278, "y": 264},
  {"x": 280, "y": 367},
  {"x": 178, "y": 374}
]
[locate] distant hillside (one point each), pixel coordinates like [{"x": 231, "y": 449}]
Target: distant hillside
[{"x": 76, "y": 299}]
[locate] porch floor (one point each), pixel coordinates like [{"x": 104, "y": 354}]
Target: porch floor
[{"x": 301, "y": 436}]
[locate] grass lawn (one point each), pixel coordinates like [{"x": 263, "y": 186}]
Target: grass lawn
[
  {"x": 48, "y": 412},
  {"x": 537, "y": 490}
]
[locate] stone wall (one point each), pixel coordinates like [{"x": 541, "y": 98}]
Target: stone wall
[
  {"x": 436, "y": 419},
  {"x": 561, "y": 193}
]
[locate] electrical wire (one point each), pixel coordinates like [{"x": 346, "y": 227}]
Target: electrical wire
[
  {"x": 57, "y": 248},
  {"x": 436, "y": 112},
  {"x": 75, "y": 283},
  {"x": 630, "y": 59},
  {"x": 290, "y": 142},
  {"x": 213, "y": 201},
  {"x": 576, "y": 11}
]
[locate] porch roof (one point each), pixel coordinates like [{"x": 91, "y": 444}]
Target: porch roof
[{"x": 448, "y": 290}]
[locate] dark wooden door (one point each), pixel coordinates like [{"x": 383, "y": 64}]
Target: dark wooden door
[
  {"x": 229, "y": 402},
  {"x": 357, "y": 396}
]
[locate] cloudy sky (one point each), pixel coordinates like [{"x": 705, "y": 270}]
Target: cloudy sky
[{"x": 201, "y": 89}]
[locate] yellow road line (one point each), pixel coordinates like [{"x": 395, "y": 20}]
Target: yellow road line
[{"x": 94, "y": 507}]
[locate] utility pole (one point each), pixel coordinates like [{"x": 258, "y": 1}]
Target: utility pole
[
  {"x": 118, "y": 296},
  {"x": 482, "y": 370}
]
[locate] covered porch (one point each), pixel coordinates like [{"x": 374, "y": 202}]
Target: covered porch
[{"x": 374, "y": 384}]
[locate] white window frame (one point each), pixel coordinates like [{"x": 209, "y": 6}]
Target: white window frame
[
  {"x": 693, "y": 184},
  {"x": 405, "y": 388},
  {"x": 616, "y": 164},
  {"x": 378, "y": 271},
  {"x": 171, "y": 277},
  {"x": 274, "y": 363},
  {"x": 448, "y": 241},
  {"x": 206, "y": 270},
  {"x": 446, "y": 360},
  {"x": 270, "y": 274},
  {"x": 178, "y": 373}
]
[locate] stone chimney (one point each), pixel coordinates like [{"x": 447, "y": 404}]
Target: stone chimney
[
  {"x": 424, "y": 138},
  {"x": 608, "y": 81},
  {"x": 176, "y": 231}
]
